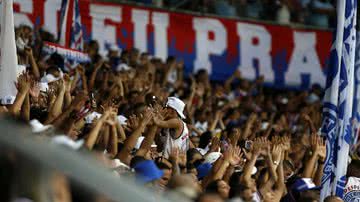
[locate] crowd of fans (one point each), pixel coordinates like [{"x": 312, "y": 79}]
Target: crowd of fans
[
  {"x": 184, "y": 134},
  {"x": 319, "y": 13}
]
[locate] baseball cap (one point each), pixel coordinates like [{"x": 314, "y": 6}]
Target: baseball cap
[
  {"x": 147, "y": 171},
  {"x": 203, "y": 170}
]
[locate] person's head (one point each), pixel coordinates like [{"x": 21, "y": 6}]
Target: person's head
[
  {"x": 147, "y": 172},
  {"x": 193, "y": 155},
  {"x": 25, "y": 32},
  {"x": 354, "y": 169},
  {"x": 185, "y": 184},
  {"x": 209, "y": 197},
  {"x": 166, "y": 167},
  {"x": 242, "y": 191},
  {"x": 114, "y": 51},
  {"x": 220, "y": 187},
  {"x": 200, "y": 115},
  {"x": 195, "y": 140},
  {"x": 191, "y": 169},
  {"x": 54, "y": 71},
  {"x": 92, "y": 48},
  {"x": 205, "y": 139},
  {"x": 289, "y": 169},
  {"x": 333, "y": 199},
  {"x": 203, "y": 170},
  {"x": 144, "y": 58},
  {"x": 134, "y": 56},
  {"x": 202, "y": 76},
  {"x": 309, "y": 196},
  {"x": 175, "y": 108}
]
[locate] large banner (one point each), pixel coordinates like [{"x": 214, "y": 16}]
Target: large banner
[{"x": 287, "y": 57}]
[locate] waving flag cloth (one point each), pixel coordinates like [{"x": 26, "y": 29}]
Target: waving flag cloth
[
  {"x": 338, "y": 100},
  {"x": 8, "y": 57},
  {"x": 70, "y": 35}
]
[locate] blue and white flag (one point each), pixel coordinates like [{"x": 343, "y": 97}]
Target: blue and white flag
[
  {"x": 70, "y": 32},
  {"x": 338, "y": 100}
]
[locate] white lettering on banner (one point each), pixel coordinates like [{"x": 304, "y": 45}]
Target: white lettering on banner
[
  {"x": 52, "y": 7},
  {"x": 26, "y": 7},
  {"x": 140, "y": 19},
  {"x": 105, "y": 34},
  {"x": 205, "y": 47},
  {"x": 304, "y": 61},
  {"x": 161, "y": 24},
  {"x": 255, "y": 45}
]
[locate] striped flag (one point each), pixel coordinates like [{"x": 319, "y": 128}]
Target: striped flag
[
  {"x": 338, "y": 100},
  {"x": 70, "y": 33}
]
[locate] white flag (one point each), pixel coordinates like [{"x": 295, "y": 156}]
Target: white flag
[
  {"x": 338, "y": 101},
  {"x": 8, "y": 57}
]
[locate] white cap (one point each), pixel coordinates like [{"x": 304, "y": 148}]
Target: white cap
[
  {"x": 66, "y": 141},
  {"x": 122, "y": 119},
  {"x": 312, "y": 98},
  {"x": 176, "y": 104},
  {"x": 114, "y": 47},
  {"x": 212, "y": 157},
  {"x": 94, "y": 115},
  {"x": 43, "y": 86},
  {"x": 38, "y": 127},
  {"x": 49, "y": 78},
  {"x": 8, "y": 100},
  {"x": 123, "y": 67}
]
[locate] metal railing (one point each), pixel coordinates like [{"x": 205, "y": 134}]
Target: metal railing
[{"x": 77, "y": 166}]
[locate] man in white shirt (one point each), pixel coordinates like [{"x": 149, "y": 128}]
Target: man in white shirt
[{"x": 177, "y": 133}]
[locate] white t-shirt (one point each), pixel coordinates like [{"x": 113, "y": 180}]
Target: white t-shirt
[
  {"x": 182, "y": 142},
  {"x": 352, "y": 190}
]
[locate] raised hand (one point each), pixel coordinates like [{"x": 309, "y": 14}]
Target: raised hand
[
  {"x": 276, "y": 153},
  {"x": 67, "y": 82},
  {"x": 80, "y": 69},
  {"x": 320, "y": 149},
  {"x": 132, "y": 122},
  {"x": 23, "y": 83},
  {"x": 79, "y": 100},
  {"x": 261, "y": 146},
  {"x": 313, "y": 142},
  {"x": 28, "y": 51},
  {"x": 146, "y": 117},
  {"x": 285, "y": 143},
  {"x": 233, "y": 155},
  {"x": 34, "y": 89}
]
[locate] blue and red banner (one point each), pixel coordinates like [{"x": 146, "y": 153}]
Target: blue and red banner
[{"x": 286, "y": 56}]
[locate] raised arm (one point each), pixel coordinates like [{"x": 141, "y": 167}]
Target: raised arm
[
  {"x": 148, "y": 141},
  {"x": 129, "y": 144},
  {"x": 172, "y": 123},
  {"x": 34, "y": 67},
  {"x": 94, "y": 133},
  {"x": 23, "y": 87},
  {"x": 56, "y": 110},
  {"x": 94, "y": 73},
  {"x": 311, "y": 163}
]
